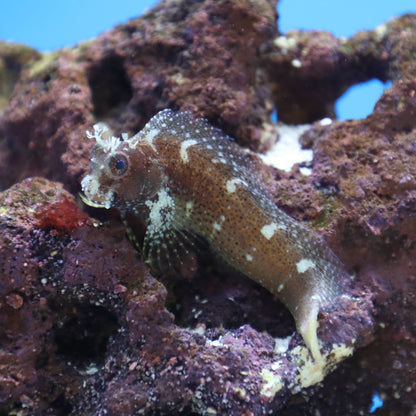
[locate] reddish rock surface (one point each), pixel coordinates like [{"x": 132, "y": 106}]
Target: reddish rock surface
[{"x": 85, "y": 328}]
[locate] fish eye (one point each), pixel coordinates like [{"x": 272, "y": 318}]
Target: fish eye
[{"x": 118, "y": 164}]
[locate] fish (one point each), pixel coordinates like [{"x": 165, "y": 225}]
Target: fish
[{"x": 186, "y": 180}]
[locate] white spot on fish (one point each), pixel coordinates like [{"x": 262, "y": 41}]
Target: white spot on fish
[
  {"x": 147, "y": 135},
  {"x": 249, "y": 257},
  {"x": 161, "y": 212},
  {"x": 269, "y": 230},
  {"x": 217, "y": 226},
  {"x": 91, "y": 186},
  {"x": 304, "y": 265},
  {"x": 231, "y": 185},
  {"x": 189, "y": 206},
  {"x": 183, "y": 151}
]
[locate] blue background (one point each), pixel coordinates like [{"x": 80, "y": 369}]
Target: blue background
[{"x": 50, "y": 24}]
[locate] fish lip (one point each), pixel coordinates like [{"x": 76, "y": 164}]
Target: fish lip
[{"x": 90, "y": 203}]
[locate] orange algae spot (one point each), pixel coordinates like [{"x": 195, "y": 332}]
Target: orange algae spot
[{"x": 62, "y": 216}]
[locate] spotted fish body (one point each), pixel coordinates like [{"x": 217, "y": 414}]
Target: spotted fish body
[{"x": 184, "y": 178}]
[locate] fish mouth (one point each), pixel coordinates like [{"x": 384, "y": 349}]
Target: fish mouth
[{"x": 90, "y": 203}]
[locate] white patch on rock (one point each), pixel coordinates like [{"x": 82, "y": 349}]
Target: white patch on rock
[
  {"x": 326, "y": 121},
  {"x": 288, "y": 151},
  {"x": 380, "y": 32},
  {"x": 281, "y": 345},
  {"x": 296, "y": 63},
  {"x": 285, "y": 44},
  {"x": 273, "y": 382}
]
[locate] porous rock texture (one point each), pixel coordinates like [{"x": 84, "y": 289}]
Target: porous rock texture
[{"x": 86, "y": 329}]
